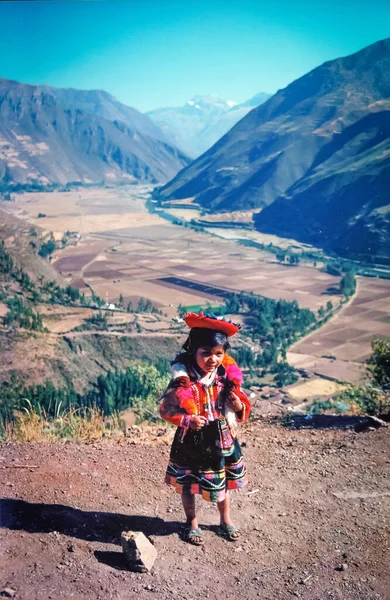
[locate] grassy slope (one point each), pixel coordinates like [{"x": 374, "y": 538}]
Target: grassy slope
[{"x": 35, "y": 357}]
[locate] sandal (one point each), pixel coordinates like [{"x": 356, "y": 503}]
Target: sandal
[
  {"x": 194, "y": 536},
  {"x": 230, "y": 532}
]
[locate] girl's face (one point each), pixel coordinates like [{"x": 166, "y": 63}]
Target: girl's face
[{"x": 209, "y": 359}]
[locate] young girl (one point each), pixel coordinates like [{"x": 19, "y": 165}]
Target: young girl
[{"x": 204, "y": 399}]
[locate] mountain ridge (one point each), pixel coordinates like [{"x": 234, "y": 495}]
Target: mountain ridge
[
  {"x": 55, "y": 135},
  {"x": 261, "y": 160}
]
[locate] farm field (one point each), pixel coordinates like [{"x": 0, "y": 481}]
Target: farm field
[
  {"x": 256, "y": 236},
  {"x": 84, "y": 211},
  {"x": 347, "y": 337},
  {"x": 172, "y": 266},
  {"x": 63, "y": 319},
  {"x": 125, "y": 250},
  {"x": 237, "y": 216},
  {"x": 313, "y": 388},
  {"x": 184, "y": 213},
  {"x": 335, "y": 368}
]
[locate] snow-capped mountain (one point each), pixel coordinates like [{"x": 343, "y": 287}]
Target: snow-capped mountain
[{"x": 197, "y": 125}]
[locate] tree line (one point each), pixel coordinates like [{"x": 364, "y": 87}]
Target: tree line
[
  {"x": 117, "y": 390},
  {"x": 272, "y": 325}
]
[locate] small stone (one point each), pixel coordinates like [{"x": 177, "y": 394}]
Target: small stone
[
  {"x": 305, "y": 580},
  {"x": 139, "y": 552},
  {"x": 377, "y": 422},
  {"x": 8, "y": 592}
]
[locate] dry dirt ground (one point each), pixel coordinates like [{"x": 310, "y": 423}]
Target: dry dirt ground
[{"x": 314, "y": 519}]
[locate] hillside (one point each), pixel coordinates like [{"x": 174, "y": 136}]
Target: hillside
[
  {"x": 51, "y": 135},
  {"x": 31, "y": 354},
  {"x": 343, "y": 204},
  {"x": 314, "y": 520},
  {"x": 19, "y": 238},
  {"x": 324, "y": 135},
  {"x": 197, "y": 125},
  {"x": 34, "y": 358}
]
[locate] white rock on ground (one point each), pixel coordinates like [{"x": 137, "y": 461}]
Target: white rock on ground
[{"x": 139, "y": 552}]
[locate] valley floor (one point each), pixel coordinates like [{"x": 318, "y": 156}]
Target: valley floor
[
  {"x": 315, "y": 520},
  {"x": 123, "y": 251}
]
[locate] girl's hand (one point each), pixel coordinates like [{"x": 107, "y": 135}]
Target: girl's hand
[
  {"x": 235, "y": 402},
  {"x": 197, "y": 422}
]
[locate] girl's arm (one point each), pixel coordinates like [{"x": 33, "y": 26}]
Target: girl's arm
[
  {"x": 240, "y": 403},
  {"x": 234, "y": 381},
  {"x": 243, "y": 414},
  {"x": 170, "y": 410}
]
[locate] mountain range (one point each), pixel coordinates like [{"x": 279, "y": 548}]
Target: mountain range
[
  {"x": 197, "y": 125},
  {"x": 51, "y": 135},
  {"x": 315, "y": 158}
]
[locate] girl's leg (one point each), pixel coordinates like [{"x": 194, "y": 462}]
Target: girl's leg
[
  {"x": 189, "y": 509},
  {"x": 226, "y": 521},
  {"x": 188, "y": 501},
  {"x": 224, "y": 510}
]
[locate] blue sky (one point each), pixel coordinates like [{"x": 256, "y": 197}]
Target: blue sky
[{"x": 160, "y": 53}]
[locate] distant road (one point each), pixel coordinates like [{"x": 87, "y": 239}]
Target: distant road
[{"x": 74, "y": 334}]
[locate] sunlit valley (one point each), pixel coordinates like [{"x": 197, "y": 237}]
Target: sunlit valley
[{"x": 272, "y": 212}]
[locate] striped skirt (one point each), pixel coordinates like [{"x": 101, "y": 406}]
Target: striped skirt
[{"x": 198, "y": 465}]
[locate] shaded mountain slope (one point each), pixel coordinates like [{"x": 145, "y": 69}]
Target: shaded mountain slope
[
  {"x": 309, "y": 131},
  {"x": 343, "y": 203},
  {"x": 58, "y": 135}
]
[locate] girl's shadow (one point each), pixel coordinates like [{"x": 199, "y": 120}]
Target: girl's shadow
[{"x": 92, "y": 526}]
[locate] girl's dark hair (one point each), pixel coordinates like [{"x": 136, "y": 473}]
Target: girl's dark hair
[{"x": 205, "y": 338}]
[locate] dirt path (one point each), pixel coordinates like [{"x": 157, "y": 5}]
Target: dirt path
[
  {"x": 315, "y": 521},
  {"x": 145, "y": 333}
]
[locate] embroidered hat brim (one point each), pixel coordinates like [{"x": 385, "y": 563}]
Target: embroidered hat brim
[{"x": 211, "y": 322}]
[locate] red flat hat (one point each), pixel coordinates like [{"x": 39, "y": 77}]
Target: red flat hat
[{"x": 212, "y": 322}]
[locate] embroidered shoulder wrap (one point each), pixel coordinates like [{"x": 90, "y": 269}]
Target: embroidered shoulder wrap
[{"x": 227, "y": 382}]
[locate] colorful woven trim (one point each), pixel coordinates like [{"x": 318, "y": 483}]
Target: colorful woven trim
[{"x": 212, "y": 322}]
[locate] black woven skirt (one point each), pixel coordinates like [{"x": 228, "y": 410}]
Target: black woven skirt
[{"x": 198, "y": 464}]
